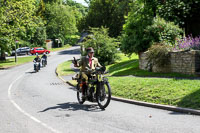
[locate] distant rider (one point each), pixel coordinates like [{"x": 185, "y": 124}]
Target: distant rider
[
  {"x": 44, "y": 56},
  {"x": 37, "y": 59}
]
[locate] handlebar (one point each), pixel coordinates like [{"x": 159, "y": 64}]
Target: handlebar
[
  {"x": 36, "y": 61},
  {"x": 97, "y": 70}
]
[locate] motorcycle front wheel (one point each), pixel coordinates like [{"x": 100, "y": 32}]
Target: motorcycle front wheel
[
  {"x": 80, "y": 98},
  {"x": 42, "y": 63},
  {"x": 36, "y": 69},
  {"x": 103, "y": 94}
]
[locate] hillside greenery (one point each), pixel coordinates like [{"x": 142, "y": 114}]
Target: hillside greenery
[{"x": 31, "y": 22}]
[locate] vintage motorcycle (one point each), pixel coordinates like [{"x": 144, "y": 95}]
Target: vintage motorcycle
[
  {"x": 96, "y": 90},
  {"x": 36, "y": 66},
  {"x": 44, "y": 62}
]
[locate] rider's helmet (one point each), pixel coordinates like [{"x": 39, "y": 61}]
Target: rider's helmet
[
  {"x": 90, "y": 50},
  {"x": 44, "y": 53}
]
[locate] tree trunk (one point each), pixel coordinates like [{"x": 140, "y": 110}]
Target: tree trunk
[{"x": 3, "y": 56}]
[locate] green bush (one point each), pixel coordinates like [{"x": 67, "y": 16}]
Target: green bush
[
  {"x": 158, "y": 54},
  {"x": 105, "y": 47},
  {"x": 163, "y": 31}
]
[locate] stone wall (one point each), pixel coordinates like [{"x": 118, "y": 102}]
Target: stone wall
[{"x": 186, "y": 62}]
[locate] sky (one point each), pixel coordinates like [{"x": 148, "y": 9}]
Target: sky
[{"x": 82, "y": 2}]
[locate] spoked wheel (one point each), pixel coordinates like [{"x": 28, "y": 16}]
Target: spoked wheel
[
  {"x": 103, "y": 95},
  {"x": 80, "y": 98}
]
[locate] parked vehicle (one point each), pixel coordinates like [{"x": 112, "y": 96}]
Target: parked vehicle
[
  {"x": 96, "y": 90},
  {"x": 22, "y": 51},
  {"x": 39, "y": 50}
]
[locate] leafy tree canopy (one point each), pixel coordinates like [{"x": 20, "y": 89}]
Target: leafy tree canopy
[
  {"x": 185, "y": 13},
  {"x": 60, "y": 21},
  {"x": 16, "y": 17},
  {"x": 142, "y": 29},
  {"x": 53, "y": 1},
  {"x": 81, "y": 8},
  {"x": 105, "y": 47},
  {"x": 177, "y": 11},
  {"x": 107, "y": 13}
]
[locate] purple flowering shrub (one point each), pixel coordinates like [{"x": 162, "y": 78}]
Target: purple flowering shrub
[{"x": 188, "y": 43}]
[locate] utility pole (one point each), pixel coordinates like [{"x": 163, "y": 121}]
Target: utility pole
[{"x": 16, "y": 50}]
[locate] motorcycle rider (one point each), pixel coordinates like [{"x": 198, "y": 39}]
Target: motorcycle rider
[
  {"x": 44, "y": 56},
  {"x": 37, "y": 59},
  {"x": 87, "y": 64}
]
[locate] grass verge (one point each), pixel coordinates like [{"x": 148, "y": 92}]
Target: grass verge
[
  {"x": 11, "y": 62},
  {"x": 167, "y": 91},
  {"x": 64, "y": 69}
]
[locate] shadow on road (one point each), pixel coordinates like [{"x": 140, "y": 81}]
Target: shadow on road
[
  {"x": 71, "y": 52},
  {"x": 74, "y": 107},
  {"x": 30, "y": 72},
  {"x": 177, "y": 113},
  {"x": 73, "y": 88}
]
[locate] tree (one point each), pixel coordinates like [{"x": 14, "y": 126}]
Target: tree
[
  {"x": 53, "y": 1},
  {"x": 39, "y": 37},
  {"x": 133, "y": 37},
  {"x": 77, "y": 6},
  {"x": 16, "y": 16},
  {"x": 185, "y": 13},
  {"x": 107, "y": 13},
  {"x": 60, "y": 21},
  {"x": 105, "y": 47},
  {"x": 142, "y": 29},
  {"x": 88, "y": 1},
  {"x": 41, "y": 8}
]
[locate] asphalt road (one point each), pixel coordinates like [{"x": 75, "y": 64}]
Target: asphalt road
[{"x": 41, "y": 103}]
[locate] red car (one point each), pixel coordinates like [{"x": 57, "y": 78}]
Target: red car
[{"x": 39, "y": 50}]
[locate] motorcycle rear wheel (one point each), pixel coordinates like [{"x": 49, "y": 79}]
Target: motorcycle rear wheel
[
  {"x": 36, "y": 69},
  {"x": 103, "y": 95},
  {"x": 80, "y": 98},
  {"x": 43, "y": 63}
]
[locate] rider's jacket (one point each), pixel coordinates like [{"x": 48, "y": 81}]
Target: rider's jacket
[
  {"x": 84, "y": 63},
  {"x": 44, "y": 57},
  {"x": 37, "y": 59}
]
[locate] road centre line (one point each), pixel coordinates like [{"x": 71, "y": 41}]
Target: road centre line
[{"x": 24, "y": 112}]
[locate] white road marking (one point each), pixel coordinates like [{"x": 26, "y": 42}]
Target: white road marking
[{"x": 24, "y": 112}]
